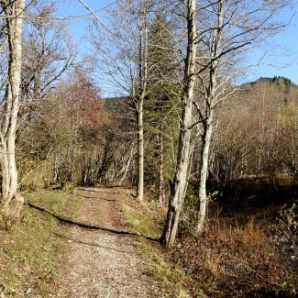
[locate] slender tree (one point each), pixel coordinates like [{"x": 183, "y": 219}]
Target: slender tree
[
  {"x": 184, "y": 147},
  {"x": 13, "y": 12},
  {"x": 222, "y": 30},
  {"x": 230, "y": 28},
  {"x": 140, "y": 93},
  {"x": 126, "y": 65}
]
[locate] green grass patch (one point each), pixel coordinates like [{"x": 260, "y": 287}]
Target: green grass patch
[
  {"x": 140, "y": 222},
  {"x": 53, "y": 200},
  {"x": 145, "y": 219},
  {"x": 58, "y": 202},
  {"x": 31, "y": 254}
]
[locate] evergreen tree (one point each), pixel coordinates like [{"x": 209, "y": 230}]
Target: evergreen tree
[{"x": 160, "y": 116}]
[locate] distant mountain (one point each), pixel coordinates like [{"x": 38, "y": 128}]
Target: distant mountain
[
  {"x": 278, "y": 80},
  {"x": 281, "y": 81},
  {"x": 286, "y": 88}
]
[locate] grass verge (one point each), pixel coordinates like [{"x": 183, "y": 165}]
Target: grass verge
[
  {"x": 145, "y": 219},
  {"x": 30, "y": 254}
]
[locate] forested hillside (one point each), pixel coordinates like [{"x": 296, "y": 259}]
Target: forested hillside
[{"x": 180, "y": 182}]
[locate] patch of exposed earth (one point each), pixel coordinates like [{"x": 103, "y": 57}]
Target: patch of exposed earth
[{"x": 101, "y": 264}]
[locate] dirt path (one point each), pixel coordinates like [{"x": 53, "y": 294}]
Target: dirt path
[{"x": 100, "y": 264}]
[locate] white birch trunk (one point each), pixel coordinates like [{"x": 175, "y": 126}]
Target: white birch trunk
[
  {"x": 211, "y": 92},
  {"x": 14, "y": 22},
  {"x": 180, "y": 178},
  {"x": 204, "y": 174}
]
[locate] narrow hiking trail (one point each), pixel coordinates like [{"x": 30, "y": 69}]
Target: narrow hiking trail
[{"x": 101, "y": 264}]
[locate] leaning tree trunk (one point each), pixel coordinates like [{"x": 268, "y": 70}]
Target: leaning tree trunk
[
  {"x": 203, "y": 197},
  {"x": 127, "y": 166},
  {"x": 184, "y": 148},
  {"x": 10, "y": 201},
  {"x": 211, "y": 92},
  {"x": 180, "y": 180}
]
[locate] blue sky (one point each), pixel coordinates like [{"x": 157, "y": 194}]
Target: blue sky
[
  {"x": 281, "y": 51},
  {"x": 79, "y": 27}
]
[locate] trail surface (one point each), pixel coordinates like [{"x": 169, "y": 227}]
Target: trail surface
[{"x": 101, "y": 264}]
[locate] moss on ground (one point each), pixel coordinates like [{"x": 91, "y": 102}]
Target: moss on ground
[
  {"x": 31, "y": 254},
  {"x": 141, "y": 223},
  {"x": 61, "y": 202}
]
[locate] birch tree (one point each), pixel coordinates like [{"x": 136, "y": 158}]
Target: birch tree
[
  {"x": 184, "y": 147},
  {"x": 13, "y": 12},
  {"x": 218, "y": 35},
  {"x": 229, "y": 29}
]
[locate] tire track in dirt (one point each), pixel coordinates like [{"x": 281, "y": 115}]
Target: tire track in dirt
[{"x": 100, "y": 264}]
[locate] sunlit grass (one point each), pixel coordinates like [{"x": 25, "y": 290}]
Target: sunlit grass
[
  {"x": 145, "y": 219},
  {"x": 31, "y": 254}
]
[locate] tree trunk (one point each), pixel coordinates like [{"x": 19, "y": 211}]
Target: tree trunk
[
  {"x": 204, "y": 175},
  {"x": 211, "y": 92},
  {"x": 14, "y": 22},
  {"x": 9, "y": 171},
  {"x": 140, "y": 189},
  {"x": 161, "y": 191},
  {"x": 184, "y": 148},
  {"x": 127, "y": 166},
  {"x": 143, "y": 76},
  {"x": 15, "y": 207},
  {"x": 37, "y": 85}
]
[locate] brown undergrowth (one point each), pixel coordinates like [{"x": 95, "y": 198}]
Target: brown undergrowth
[
  {"x": 238, "y": 255},
  {"x": 232, "y": 260}
]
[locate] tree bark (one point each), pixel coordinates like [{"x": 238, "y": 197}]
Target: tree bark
[
  {"x": 208, "y": 129},
  {"x": 143, "y": 76},
  {"x": 15, "y": 207},
  {"x": 127, "y": 166},
  {"x": 204, "y": 175},
  {"x": 14, "y": 21},
  {"x": 161, "y": 190},
  {"x": 140, "y": 187},
  {"x": 180, "y": 179}
]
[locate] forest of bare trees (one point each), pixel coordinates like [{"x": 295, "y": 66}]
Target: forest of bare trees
[{"x": 187, "y": 133}]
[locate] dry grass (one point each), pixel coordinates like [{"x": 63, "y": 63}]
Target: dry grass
[
  {"x": 232, "y": 259},
  {"x": 236, "y": 261},
  {"x": 146, "y": 219}
]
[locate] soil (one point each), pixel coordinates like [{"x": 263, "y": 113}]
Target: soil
[{"x": 101, "y": 264}]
